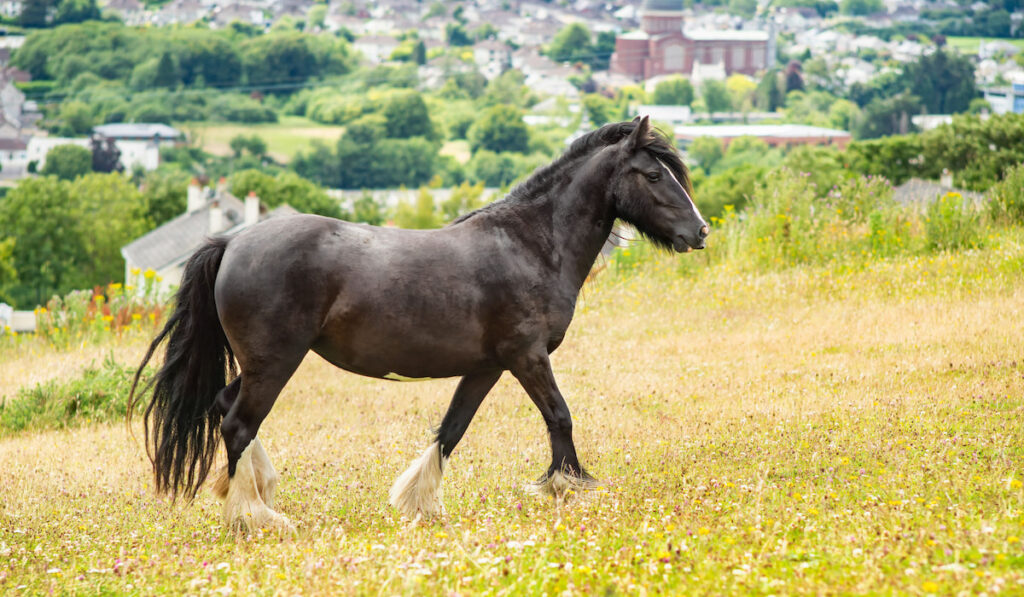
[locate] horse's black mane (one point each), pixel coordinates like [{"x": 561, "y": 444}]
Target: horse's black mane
[{"x": 657, "y": 143}]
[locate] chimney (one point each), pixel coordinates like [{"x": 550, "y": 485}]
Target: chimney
[
  {"x": 194, "y": 198},
  {"x": 252, "y": 208},
  {"x": 222, "y": 185},
  {"x": 216, "y": 218},
  {"x": 946, "y": 179}
]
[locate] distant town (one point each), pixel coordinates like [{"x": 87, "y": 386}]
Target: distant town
[{"x": 210, "y": 116}]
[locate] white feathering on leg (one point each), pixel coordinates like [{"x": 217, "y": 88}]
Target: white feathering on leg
[
  {"x": 244, "y": 509},
  {"x": 417, "y": 492}
]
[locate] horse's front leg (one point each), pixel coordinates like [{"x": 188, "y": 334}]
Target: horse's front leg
[
  {"x": 417, "y": 492},
  {"x": 535, "y": 375}
]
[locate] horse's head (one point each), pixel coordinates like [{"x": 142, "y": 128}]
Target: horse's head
[{"x": 652, "y": 191}]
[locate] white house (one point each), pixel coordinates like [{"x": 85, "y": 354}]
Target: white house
[
  {"x": 133, "y": 153},
  {"x": 376, "y": 48},
  {"x": 159, "y": 133},
  {"x": 38, "y": 147},
  {"x": 13, "y": 155}
]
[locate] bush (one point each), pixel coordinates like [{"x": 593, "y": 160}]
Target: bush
[
  {"x": 1006, "y": 198},
  {"x": 240, "y": 108},
  {"x": 952, "y": 223},
  {"x": 99, "y": 394}
]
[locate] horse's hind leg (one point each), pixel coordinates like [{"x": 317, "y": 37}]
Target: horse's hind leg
[
  {"x": 535, "y": 375},
  {"x": 417, "y": 492},
  {"x": 264, "y": 473},
  {"x": 252, "y": 479}
]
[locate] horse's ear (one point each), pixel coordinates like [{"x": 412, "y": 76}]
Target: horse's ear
[{"x": 638, "y": 138}]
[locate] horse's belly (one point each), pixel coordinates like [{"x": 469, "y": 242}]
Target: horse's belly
[{"x": 417, "y": 354}]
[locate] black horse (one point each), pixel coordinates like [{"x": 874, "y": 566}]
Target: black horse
[{"x": 493, "y": 291}]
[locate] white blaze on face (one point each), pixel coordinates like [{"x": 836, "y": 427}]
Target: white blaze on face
[{"x": 683, "y": 189}]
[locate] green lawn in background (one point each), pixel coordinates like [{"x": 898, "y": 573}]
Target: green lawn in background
[
  {"x": 284, "y": 139},
  {"x": 969, "y": 45}
]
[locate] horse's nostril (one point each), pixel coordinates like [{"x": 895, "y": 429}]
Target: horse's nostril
[{"x": 704, "y": 232}]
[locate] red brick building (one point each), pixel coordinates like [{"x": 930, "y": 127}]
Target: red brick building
[{"x": 661, "y": 47}]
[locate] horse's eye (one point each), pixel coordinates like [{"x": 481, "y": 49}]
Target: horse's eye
[{"x": 654, "y": 176}]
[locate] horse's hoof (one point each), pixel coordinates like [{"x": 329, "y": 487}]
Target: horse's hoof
[
  {"x": 559, "y": 484},
  {"x": 262, "y": 518}
]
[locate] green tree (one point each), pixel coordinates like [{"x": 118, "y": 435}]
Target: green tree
[
  {"x": 455, "y": 34},
  {"x": 716, "y": 97},
  {"x": 407, "y": 116},
  {"x": 464, "y": 199},
  {"x": 420, "y": 214},
  {"x": 500, "y": 129},
  {"x": 860, "y": 7},
  {"x": 769, "y": 95},
  {"x": 67, "y": 162},
  {"x": 76, "y": 118},
  {"x": 571, "y": 44},
  {"x": 944, "y": 80},
  {"x": 707, "y": 151},
  {"x": 436, "y": 9},
  {"x": 600, "y": 109},
  {"x": 507, "y": 88},
  {"x": 285, "y": 188},
  {"x": 254, "y": 144},
  {"x": 316, "y": 17},
  {"x": 887, "y": 116},
  {"x": 40, "y": 216},
  {"x": 76, "y": 11},
  {"x": 8, "y": 274},
  {"x": 419, "y": 53},
  {"x": 166, "y": 72},
  {"x": 34, "y": 13},
  {"x": 365, "y": 209},
  {"x": 164, "y": 192},
  {"x": 823, "y": 165},
  {"x": 731, "y": 187},
  {"x": 895, "y": 157},
  {"x": 493, "y": 169},
  {"x": 110, "y": 213},
  {"x": 744, "y": 8},
  {"x": 673, "y": 91},
  {"x": 485, "y": 31},
  {"x": 843, "y": 114}
]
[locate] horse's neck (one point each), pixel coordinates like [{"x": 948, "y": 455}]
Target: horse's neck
[
  {"x": 582, "y": 232},
  {"x": 579, "y": 223}
]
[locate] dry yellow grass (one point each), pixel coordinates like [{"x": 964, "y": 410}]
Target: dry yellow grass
[{"x": 805, "y": 431}]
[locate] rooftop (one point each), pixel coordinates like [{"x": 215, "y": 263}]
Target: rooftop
[
  {"x": 178, "y": 238},
  {"x": 727, "y": 35},
  {"x": 795, "y": 131},
  {"x": 137, "y": 130}
]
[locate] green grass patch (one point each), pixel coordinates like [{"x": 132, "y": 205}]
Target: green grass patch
[
  {"x": 284, "y": 139},
  {"x": 969, "y": 45},
  {"x": 99, "y": 394}
]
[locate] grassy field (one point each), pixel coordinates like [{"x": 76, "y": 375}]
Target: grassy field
[
  {"x": 810, "y": 431},
  {"x": 969, "y": 45},
  {"x": 284, "y": 139}
]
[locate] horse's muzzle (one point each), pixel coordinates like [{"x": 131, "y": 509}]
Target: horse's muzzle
[{"x": 685, "y": 243}]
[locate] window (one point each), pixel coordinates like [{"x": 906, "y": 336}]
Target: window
[
  {"x": 739, "y": 57},
  {"x": 674, "y": 58}
]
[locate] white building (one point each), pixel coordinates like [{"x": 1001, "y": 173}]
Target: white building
[{"x": 145, "y": 154}]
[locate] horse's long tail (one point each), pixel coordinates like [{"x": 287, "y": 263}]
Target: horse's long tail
[{"x": 182, "y": 422}]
